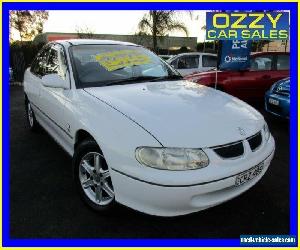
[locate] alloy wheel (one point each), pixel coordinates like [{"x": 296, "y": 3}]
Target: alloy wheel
[{"x": 95, "y": 179}]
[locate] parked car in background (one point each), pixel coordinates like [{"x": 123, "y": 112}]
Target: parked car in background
[
  {"x": 166, "y": 57},
  {"x": 195, "y": 62},
  {"x": 251, "y": 85},
  {"x": 109, "y": 103},
  {"x": 277, "y": 99}
]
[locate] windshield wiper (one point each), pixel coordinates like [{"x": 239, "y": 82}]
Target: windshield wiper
[
  {"x": 167, "y": 78},
  {"x": 142, "y": 79},
  {"x": 129, "y": 80}
]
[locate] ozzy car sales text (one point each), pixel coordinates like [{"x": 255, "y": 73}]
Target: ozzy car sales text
[{"x": 247, "y": 25}]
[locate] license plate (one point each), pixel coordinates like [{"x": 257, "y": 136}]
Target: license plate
[
  {"x": 249, "y": 174},
  {"x": 273, "y": 101}
]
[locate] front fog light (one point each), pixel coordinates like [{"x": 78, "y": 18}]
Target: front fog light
[
  {"x": 266, "y": 131},
  {"x": 172, "y": 158}
]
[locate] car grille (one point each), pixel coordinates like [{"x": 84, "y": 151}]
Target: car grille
[
  {"x": 236, "y": 149},
  {"x": 274, "y": 108},
  {"x": 255, "y": 141},
  {"x": 231, "y": 150},
  {"x": 284, "y": 92}
]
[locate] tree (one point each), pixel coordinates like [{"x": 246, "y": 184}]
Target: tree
[
  {"x": 159, "y": 23},
  {"x": 208, "y": 46},
  {"x": 259, "y": 44},
  {"x": 85, "y": 33},
  {"x": 27, "y": 23},
  {"x": 140, "y": 37},
  {"x": 204, "y": 42}
]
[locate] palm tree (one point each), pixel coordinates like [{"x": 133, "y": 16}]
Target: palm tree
[{"x": 160, "y": 23}]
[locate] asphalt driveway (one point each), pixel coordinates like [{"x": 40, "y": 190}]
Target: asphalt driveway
[{"x": 44, "y": 202}]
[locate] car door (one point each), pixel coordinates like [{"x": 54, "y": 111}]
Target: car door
[
  {"x": 252, "y": 84},
  {"x": 34, "y": 76},
  {"x": 208, "y": 62},
  {"x": 282, "y": 67},
  {"x": 187, "y": 64},
  {"x": 53, "y": 100}
]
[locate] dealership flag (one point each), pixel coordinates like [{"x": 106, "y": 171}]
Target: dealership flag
[{"x": 234, "y": 55}]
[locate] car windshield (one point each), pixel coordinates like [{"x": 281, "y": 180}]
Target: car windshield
[{"x": 103, "y": 65}]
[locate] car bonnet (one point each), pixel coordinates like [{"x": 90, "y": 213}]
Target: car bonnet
[{"x": 181, "y": 113}]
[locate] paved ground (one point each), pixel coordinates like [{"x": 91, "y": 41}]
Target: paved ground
[{"x": 44, "y": 204}]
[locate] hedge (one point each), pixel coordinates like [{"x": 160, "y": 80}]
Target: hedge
[{"x": 21, "y": 57}]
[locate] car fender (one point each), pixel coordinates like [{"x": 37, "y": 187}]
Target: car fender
[{"x": 116, "y": 134}]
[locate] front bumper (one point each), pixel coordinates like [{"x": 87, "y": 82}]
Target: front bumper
[
  {"x": 160, "y": 199},
  {"x": 283, "y": 107}
]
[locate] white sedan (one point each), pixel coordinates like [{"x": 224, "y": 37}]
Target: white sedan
[
  {"x": 139, "y": 134},
  {"x": 193, "y": 62}
]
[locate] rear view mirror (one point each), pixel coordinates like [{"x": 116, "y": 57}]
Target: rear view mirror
[{"x": 54, "y": 81}]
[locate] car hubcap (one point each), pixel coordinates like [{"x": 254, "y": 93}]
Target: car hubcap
[
  {"x": 95, "y": 179},
  {"x": 30, "y": 114}
]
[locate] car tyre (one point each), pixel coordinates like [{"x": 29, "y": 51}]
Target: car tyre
[
  {"x": 92, "y": 177},
  {"x": 30, "y": 117}
]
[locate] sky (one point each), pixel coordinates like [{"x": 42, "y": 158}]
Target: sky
[{"x": 116, "y": 22}]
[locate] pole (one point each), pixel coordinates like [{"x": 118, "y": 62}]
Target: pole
[
  {"x": 285, "y": 45},
  {"x": 216, "y": 81},
  {"x": 218, "y": 62}
]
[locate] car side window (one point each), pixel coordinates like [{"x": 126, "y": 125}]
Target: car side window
[
  {"x": 174, "y": 63},
  {"x": 261, "y": 63},
  {"x": 39, "y": 65},
  {"x": 209, "y": 61},
  {"x": 56, "y": 63},
  {"x": 52, "y": 64},
  {"x": 283, "y": 62},
  {"x": 188, "y": 62},
  {"x": 62, "y": 62}
]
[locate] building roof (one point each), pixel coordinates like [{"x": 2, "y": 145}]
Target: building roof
[
  {"x": 164, "y": 42},
  {"x": 96, "y": 41}
]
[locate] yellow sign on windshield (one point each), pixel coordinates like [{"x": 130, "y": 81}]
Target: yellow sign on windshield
[{"x": 121, "y": 58}]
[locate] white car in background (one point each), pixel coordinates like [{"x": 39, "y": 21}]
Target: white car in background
[
  {"x": 139, "y": 134},
  {"x": 194, "y": 62}
]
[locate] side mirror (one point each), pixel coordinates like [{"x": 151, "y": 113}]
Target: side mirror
[{"x": 54, "y": 81}]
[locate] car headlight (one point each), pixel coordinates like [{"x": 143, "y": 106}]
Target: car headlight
[
  {"x": 172, "y": 158},
  {"x": 273, "y": 87},
  {"x": 266, "y": 131}
]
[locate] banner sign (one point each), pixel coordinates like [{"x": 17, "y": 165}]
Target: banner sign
[
  {"x": 234, "y": 55},
  {"x": 247, "y": 25},
  {"x": 118, "y": 59}
]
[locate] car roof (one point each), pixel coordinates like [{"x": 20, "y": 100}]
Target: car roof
[
  {"x": 195, "y": 53},
  {"x": 94, "y": 41}
]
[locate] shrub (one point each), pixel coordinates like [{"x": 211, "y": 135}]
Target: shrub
[{"x": 21, "y": 57}]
